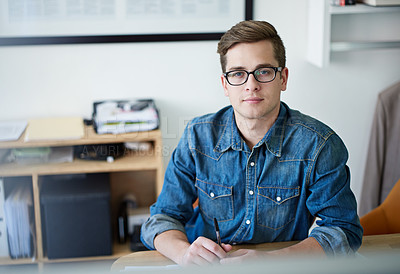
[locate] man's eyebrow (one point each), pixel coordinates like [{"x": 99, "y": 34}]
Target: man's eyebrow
[
  {"x": 237, "y": 68},
  {"x": 264, "y": 65},
  {"x": 257, "y": 67}
]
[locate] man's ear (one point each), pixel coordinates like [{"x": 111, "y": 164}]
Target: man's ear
[
  {"x": 284, "y": 78},
  {"x": 224, "y": 85}
]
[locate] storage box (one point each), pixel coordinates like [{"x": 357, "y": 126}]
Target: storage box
[{"x": 76, "y": 214}]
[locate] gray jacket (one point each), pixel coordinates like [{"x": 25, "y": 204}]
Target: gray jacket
[{"x": 382, "y": 168}]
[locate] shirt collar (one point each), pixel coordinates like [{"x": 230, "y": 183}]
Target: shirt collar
[
  {"x": 273, "y": 139},
  {"x": 230, "y": 136}
]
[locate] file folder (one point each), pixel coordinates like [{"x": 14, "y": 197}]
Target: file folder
[{"x": 63, "y": 128}]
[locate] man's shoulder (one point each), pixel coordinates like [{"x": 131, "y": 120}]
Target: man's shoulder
[
  {"x": 219, "y": 118},
  {"x": 305, "y": 136},
  {"x": 307, "y": 124},
  {"x": 205, "y": 132}
]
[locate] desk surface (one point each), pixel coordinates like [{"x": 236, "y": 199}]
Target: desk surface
[{"x": 371, "y": 244}]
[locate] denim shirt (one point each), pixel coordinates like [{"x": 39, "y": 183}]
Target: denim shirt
[{"x": 270, "y": 193}]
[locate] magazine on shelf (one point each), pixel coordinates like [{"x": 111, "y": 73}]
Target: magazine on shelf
[
  {"x": 3, "y": 227},
  {"x": 18, "y": 209}
]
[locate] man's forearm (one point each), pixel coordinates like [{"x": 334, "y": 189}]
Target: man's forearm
[
  {"x": 309, "y": 246},
  {"x": 172, "y": 244},
  {"x": 306, "y": 247}
]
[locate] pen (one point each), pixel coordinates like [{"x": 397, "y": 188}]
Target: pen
[{"x": 217, "y": 231}]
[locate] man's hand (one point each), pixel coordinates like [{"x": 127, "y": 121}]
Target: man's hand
[
  {"x": 204, "y": 251},
  {"x": 174, "y": 245}
]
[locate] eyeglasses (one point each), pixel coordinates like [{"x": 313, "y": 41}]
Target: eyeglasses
[{"x": 262, "y": 75}]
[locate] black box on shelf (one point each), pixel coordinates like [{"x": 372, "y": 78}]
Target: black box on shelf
[{"x": 76, "y": 214}]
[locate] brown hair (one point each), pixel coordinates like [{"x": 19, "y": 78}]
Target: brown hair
[{"x": 249, "y": 32}]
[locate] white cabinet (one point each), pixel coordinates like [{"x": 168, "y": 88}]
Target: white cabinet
[{"x": 355, "y": 27}]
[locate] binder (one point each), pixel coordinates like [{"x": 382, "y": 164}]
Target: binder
[{"x": 4, "y": 252}]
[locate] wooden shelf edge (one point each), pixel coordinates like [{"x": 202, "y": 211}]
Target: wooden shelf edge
[
  {"x": 91, "y": 137},
  {"x": 119, "y": 250},
  {"x": 135, "y": 162},
  {"x": 9, "y": 261}
]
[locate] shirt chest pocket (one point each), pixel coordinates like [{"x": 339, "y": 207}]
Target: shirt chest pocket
[
  {"x": 276, "y": 206},
  {"x": 215, "y": 201}
]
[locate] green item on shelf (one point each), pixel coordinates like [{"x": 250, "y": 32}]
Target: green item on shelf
[{"x": 31, "y": 154}]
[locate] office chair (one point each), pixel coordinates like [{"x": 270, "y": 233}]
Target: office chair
[{"x": 385, "y": 219}]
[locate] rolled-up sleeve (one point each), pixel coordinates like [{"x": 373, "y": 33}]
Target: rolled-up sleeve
[
  {"x": 331, "y": 200},
  {"x": 158, "y": 224},
  {"x": 333, "y": 240}
]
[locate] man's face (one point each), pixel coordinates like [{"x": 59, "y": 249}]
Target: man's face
[{"x": 254, "y": 100}]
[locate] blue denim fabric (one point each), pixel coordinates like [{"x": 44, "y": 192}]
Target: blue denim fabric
[{"x": 271, "y": 193}]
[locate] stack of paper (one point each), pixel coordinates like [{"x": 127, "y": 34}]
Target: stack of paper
[
  {"x": 63, "y": 128},
  {"x": 125, "y": 116},
  {"x": 11, "y": 130},
  {"x": 18, "y": 206}
]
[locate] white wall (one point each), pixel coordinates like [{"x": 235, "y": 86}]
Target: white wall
[{"x": 62, "y": 80}]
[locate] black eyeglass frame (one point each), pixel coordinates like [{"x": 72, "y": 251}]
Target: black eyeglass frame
[{"x": 276, "y": 69}]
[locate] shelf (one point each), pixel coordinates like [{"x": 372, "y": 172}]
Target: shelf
[
  {"x": 91, "y": 137},
  {"x": 118, "y": 251},
  {"x": 361, "y": 8},
  {"x": 348, "y": 46},
  {"x": 9, "y": 261},
  {"x": 129, "y": 176},
  {"x": 135, "y": 161},
  {"x": 320, "y": 17}
]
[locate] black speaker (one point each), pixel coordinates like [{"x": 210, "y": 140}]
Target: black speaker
[
  {"x": 99, "y": 151},
  {"x": 76, "y": 214}
]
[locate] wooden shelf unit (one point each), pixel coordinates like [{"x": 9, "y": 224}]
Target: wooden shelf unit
[{"x": 122, "y": 169}]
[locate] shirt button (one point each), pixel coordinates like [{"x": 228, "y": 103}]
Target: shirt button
[
  {"x": 212, "y": 194},
  {"x": 278, "y": 199},
  {"x": 248, "y": 222},
  {"x": 252, "y": 163},
  {"x": 251, "y": 192}
]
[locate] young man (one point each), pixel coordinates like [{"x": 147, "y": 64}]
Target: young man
[{"x": 263, "y": 170}]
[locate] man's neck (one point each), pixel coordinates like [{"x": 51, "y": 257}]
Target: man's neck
[{"x": 253, "y": 130}]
